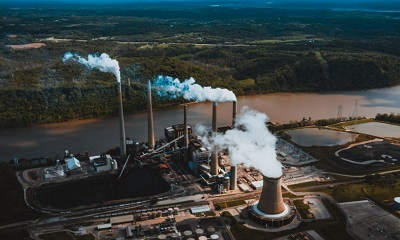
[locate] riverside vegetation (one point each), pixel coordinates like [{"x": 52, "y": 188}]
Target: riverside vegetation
[{"x": 251, "y": 51}]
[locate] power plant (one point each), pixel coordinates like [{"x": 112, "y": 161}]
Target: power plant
[{"x": 161, "y": 169}]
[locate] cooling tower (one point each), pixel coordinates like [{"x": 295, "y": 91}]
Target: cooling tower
[
  {"x": 271, "y": 201},
  {"x": 271, "y": 210},
  {"x": 214, "y": 153},
  {"x": 121, "y": 122},
  {"x": 150, "y": 122}
]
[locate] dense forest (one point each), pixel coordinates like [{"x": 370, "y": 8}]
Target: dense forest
[{"x": 256, "y": 51}]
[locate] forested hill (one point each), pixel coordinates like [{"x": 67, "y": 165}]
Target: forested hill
[{"x": 249, "y": 51}]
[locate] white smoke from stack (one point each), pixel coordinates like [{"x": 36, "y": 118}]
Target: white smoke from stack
[
  {"x": 249, "y": 142},
  {"x": 104, "y": 63},
  {"x": 189, "y": 90}
]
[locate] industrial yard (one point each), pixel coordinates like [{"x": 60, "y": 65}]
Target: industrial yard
[{"x": 184, "y": 187}]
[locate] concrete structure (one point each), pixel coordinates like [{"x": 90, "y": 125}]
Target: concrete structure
[
  {"x": 121, "y": 122},
  {"x": 270, "y": 210},
  {"x": 150, "y": 121},
  {"x": 214, "y": 152}
]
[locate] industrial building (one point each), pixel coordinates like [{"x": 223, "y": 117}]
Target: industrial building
[
  {"x": 103, "y": 163},
  {"x": 72, "y": 164}
]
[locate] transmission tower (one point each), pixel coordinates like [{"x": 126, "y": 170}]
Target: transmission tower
[
  {"x": 355, "y": 113},
  {"x": 339, "y": 112}
]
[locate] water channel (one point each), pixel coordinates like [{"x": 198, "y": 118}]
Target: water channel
[{"x": 98, "y": 135}]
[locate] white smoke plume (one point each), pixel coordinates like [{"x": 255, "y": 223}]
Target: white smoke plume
[
  {"x": 189, "y": 90},
  {"x": 249, "y": 142},
  {"x": 104, "y": 63}
]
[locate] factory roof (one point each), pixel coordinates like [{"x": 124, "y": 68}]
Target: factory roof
[
  {"x": 257, "y": 184},
  {"x": 121, "y": 219},
  {"x": 204, "y": 208},
  {"x": 104, "y": 226}
]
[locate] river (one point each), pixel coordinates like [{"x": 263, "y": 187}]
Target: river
[{"x": 98, "y": 135}]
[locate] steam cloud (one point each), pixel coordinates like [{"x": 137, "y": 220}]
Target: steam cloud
[
  {"x": 249, "y": 142},
  {"x": 189, "y": 90},
  {"x": 104, "y": 63}
]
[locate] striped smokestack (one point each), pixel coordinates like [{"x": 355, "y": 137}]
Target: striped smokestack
[
  {"x": 214, "y": 153},
  {"x": 150, "y": 122},
  {"x": 121, "y": 122}
]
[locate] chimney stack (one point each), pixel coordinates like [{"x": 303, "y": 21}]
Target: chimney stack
[
  {"x": 214, "y": 153},
  {"x": 150, "y": 122},
  {"x": 186, "y": 134},
  {"x": 233, "y": 177},
  {"x": 234, "y": 112},
  {"x": 121, "y": 122}
]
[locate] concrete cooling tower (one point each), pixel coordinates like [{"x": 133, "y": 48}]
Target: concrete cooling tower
[{"x": 271, "y": 210}]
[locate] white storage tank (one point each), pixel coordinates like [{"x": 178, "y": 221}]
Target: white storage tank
[
  {"x": 174, "y": 236},
  {"x": 210, "y": 230},
  {"x": 199, "y": 232},
  {"x": 214, "y": 237},
  {"x": 162, "y": 237},
  {"x": 397, "y": 203},
  {"x": 187, "y": 233}
]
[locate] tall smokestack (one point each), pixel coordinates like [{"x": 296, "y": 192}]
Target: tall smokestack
[
  {"x": 233, "y": 177},
  {"x": 234, "y": 112},
  {"x": 271, "y": 201},
  {"x": 150, "y": 123},
  {"x": 186, "y": 134},
  {"x": 214, "y": 153},
  {"x": 121, "y": 122}
]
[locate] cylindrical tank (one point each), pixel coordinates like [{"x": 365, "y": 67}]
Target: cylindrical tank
[
  {"x": 190, "y": 238},
  {"x": 199, "y": 232},
  {"x": 170, "y": 211},
  {"x": 187, "y": 233},
  {"x": 159, "y": 213},
  {"x": 203, "y": 238},
  {"x": 214, "y": 237},
  {"x": 137, "y": 216},
  {"x": 397, "y": 203},
  {"x": 162, "y": 237},
  {"x": 210, "y": 230},
  {"x": 151, "y": 230},
  {"x": 176, "y": 211},
  {"x": 174, "y": 236},
  {"x": 157, "y": 229}
]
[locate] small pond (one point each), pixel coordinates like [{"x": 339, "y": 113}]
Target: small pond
[
  {"x": 320, "y": 137},
  {"x": 377, "y": 129}
]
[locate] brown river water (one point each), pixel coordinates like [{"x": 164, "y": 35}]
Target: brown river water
[{"x": 99, "y": 135}]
